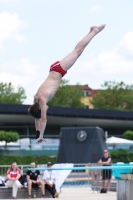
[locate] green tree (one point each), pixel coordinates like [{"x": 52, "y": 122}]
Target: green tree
[
  {"x": 128, "y": 135},
  {"x": 68, "y": 95},
  {"x": 9, "y": 96},
  {"x": 114, "y": 96},
  {"x": 121, "y": 155},
  {"x": 8, "y": 137}
]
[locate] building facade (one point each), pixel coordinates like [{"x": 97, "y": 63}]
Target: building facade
[
  {"x": 88, "y": 96},
  {"x": 16, "y": 118}
]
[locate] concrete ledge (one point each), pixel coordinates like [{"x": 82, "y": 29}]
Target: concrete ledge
[
  {"x": 125, "y": 190},
  {"x": 6, "y": 193}
]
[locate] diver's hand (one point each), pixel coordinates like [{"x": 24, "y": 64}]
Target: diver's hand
[{"x": 40, "y": 139}]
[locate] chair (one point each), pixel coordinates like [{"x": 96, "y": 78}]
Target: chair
[{"x": 95, "y": 175}]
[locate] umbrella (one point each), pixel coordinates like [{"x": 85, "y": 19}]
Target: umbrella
[{"x": 115, "y": 141}]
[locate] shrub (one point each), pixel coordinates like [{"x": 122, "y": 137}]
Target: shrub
[
  {"x": 128, "y": 135},
  {"x": 8, "y": 136},
  {"x": 130, "y": 157},
  {"x": 26, "y": 160},
  {"x": 121, "y": 155}
]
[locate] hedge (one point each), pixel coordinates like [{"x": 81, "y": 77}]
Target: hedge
[
  {"x": 26, "y": 160},
  {"x": 128, "y": 135},
  {"x": 121, "y": 155}
]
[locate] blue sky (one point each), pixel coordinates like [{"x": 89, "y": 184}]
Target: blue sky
[{"x": 36, "y": 33}]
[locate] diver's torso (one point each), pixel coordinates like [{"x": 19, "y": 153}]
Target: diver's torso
[{"x": 49, "y": 87}]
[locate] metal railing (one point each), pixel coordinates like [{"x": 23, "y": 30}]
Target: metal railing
[
  {"x": 4, "y": 169},
  {"x": 78, "y": 178},
  {"x": 84, "y": 175}
]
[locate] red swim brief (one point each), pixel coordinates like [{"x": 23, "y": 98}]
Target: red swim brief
[{"x": 57, "y": 68}]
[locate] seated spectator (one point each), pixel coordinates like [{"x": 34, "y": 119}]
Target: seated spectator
[
  {"x": 106, "y": 173},
  {"x": 13, "y": 176},
  {"x": 2, "y": 181},
  {"x": 49, "y": 177},
  {"x": 33, "y": 178}
]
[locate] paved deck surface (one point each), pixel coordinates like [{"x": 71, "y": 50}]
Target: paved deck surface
[{"x": 83, "y": 194}]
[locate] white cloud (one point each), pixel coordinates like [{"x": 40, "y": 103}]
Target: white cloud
[
  {"x": 9, "y": 1},
  {"x": 125, "y": 48},
  {"x": 10, "y": 25},
  {"x": 21, "y": 67},
  {"x": 117, "y": 60},
  {"x": 25, "y": 73},
  {"x": 95, "y": 9},
  {"x": 22, "y": 72},
  {"x": 19, "y": 38},
  {"x": 115, "y": 64}
]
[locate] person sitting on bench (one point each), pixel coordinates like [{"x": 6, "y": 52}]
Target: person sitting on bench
[
  {"x": 33, "y": 178},
  {"x": 13, "y": 176},
  {"x": 49, "y": 178}
]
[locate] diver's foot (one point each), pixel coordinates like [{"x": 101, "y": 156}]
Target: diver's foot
[{"x": 97, "y": 29}]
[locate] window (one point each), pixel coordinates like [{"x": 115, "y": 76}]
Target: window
[{"x": 86, "y": 93}]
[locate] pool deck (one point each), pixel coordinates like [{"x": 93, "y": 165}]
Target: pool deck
[{"x": 83, "y": 194}]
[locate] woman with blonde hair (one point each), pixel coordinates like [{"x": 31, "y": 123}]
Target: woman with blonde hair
[{"x": 13, "y": 176}]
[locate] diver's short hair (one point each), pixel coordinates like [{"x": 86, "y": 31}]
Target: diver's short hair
[{"x": 34, "y": 111}]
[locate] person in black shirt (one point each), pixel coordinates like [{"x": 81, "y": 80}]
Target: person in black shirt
[
  {"x": 33, "y": 177},
  {"x": 106, "y": 173}
]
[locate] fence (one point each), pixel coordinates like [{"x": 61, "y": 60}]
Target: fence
[
  {"x": 4, "y": 168},
  {"x": 84, "y": 175}
]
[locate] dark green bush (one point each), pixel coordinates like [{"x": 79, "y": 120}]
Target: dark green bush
[
  {"x": 130, "y": 157},
  {"x": 121, "y": 155},
  {"x": 114, "y": 156},
  {"x": 25, "y": 160},
  {"x": 128, "y": 135},
  {"x": 8, "y": 136}
]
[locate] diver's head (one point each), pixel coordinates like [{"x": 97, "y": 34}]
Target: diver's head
[{"x": 35, "y": 110}]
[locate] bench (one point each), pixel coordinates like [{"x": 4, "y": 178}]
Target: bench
[{"x": 6, "y": 193}]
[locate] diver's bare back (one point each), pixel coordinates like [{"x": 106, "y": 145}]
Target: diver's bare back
[{"x": 49, "y": 87}]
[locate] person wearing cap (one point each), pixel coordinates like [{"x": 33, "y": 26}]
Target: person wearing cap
[{"x": 49, "y": 177}]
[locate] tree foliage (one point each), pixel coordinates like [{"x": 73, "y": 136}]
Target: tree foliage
[
  {"x": 9, "y": 96},
  {"x": 114, "y": 96},
  {"x": 121, "y": 155},
  {"x": 68, "y": 95},
  {"x": 8, "y": 136},
  {"x": 25, "y": 160},
  {"x": 128, "y": 135}
]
